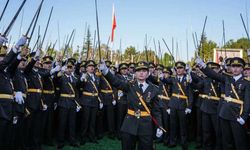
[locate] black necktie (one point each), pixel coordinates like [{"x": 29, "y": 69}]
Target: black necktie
[
  {"x": 141, "y": 85},
  {"x": 69, "y": 79},
  {"x": 179, "y": 79}
]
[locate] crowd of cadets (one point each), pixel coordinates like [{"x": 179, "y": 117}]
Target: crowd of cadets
[{"x": 47, "y": 101}]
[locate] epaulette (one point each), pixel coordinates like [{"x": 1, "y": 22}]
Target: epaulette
[
  {"x": 228, "y": 74},
  {"x": 59, "y": 74},
  {"x": 247, "y": 78},
  {"x": 98, "y": 74},
  {"x": 172, "y": 76}
]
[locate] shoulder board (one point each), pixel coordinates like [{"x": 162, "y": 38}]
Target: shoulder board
[
  {"x": 225, "y": 73},
  {"x": 59, "y": 74},
  {"x": 172, "y": 76},
  {"x": 247, "y": 78},
  {"x": 98, "y": 74}
]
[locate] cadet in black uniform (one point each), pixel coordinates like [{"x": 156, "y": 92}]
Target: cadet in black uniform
[
  {"x": 180, "y": 104},
  {"x": 211, "y": 94},
  {"x": 67, "y": 104},
  {"x": 90, "y": 102},
  {"x": 143, "y": 102},
  {"x": 122, "y": 98},
  {"x": 235, "y": 107},
  {"x": 109, "y": 102},
  {"x": 48, "y": 99},
  {"x": 164, "y": 97}
]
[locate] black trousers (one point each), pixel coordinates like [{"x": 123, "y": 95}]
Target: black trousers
[
  {"x": 66, "y": 120},
  {"x": 178, "y": 118},
  {"x": 89, "y": 123},
  {"x": 18, "y": 133},
  {"x": 33, "y": 127},
  {"x": 233, "y": 135},
  {"x": 5, "y": 134},
  {"x": 166, "y": 122},
  {"x": 121, "y": 111},
  {"x": 210, "y": 131},
  {"x": 109, "y": 118},
  {"x": 145, "y": 142},
  {"x": 47, "y": 126},
  {"x": 198, "y": 126}
]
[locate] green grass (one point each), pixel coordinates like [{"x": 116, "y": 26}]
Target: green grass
[{"x": 108, "y": 144}]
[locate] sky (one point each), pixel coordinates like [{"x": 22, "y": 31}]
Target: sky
[{"x": 167, "y": 19}]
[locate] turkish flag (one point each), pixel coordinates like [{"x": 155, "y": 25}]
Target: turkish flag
[{"x": 113, "y": 25}]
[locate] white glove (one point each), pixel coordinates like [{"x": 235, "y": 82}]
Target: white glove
[
  {"x": 63, "y": 68},
  {"x": 188, "y": 69},
  {"x": 168, "y": 111},
  {"x": 3, "y": 40},
  {"x": 19, "y": 98},
  {"x": 114, "y": 102},
  {"x": 21, "y": 42},
  {"x": 56, "y": 69},
  {"x": 187, "y": 111},
  {"x": 241, "y": 121},
  {"x": 55, "y": 106},
  {"x": 83, "y": 77},
  {"x": 45, "y": 107},
  {"x": 15, "y": 119},
  {"x": 120, "y": 93},
  {"x": 37, "y": 55},
  {"x": 78, "y": 108},
  {"x": 199, "y": 61},
  {"x": 159, "y": 133},
  {"x": 189, "y": 78},
  {"x": 101, "y": 105},
  {"x": 103, "y": 67}
]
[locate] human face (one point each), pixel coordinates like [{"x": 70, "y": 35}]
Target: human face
[
  {"x": 141, "y": 75},
  {"x": 90, "y": 69},
  {"x": 69, "y": 70},
  {"x": 236, "y": 70},
  {"x": 151, "y": 70},
  {"x": 131, "y": 70},
  {"x": 124, "y": 71},
  {"x": 47, "y": 66},
  {"x": 180, "y": 71},
  {"x": 247, "y": 73}
]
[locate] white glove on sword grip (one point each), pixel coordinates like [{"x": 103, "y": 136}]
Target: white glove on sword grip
[{"x": 159, "y": 133}]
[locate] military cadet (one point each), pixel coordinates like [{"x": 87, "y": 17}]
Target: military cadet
[
  {"x": 34, "y": 101},
  {"x": 210, "y": 96},
  {"x": 180, "y": 104},
  {"x": 131, "y": 71},
  {"x": 152, "y": 75},
  {"x": 235, "y": 106},
  {"x": 247, "y": 70},
  {"x": 164, "y": 97},
  {"x": 122, "y": 98},
  {"x": 67, "y": 104},
  {"x": 90, "y": 101},
  {"x": 7, "y": 91},
  {"x": 143, "y": 104},
  {"x": 109, "y": 102},
  {"x": 20, "y": 85},
  {"x": 48, "y": 99}
]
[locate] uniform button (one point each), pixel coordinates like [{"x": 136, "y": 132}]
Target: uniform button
[
  {"x": 231, "y": 91},
  {"x": 139, "y": 103}
]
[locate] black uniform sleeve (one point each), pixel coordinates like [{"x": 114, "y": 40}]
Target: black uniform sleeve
[
  {"x": 7, "y": 60},
  {"x": 246, "y": 105},
  {"x": 29, "y": 67},
  {"x": 212, "y": 74},
  {"x": 156, "y": 113},
  {"x": 116, "y": 82},
  {"x": 190, "y": 97}
]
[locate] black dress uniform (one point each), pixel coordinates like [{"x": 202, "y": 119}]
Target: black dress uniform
[
  {"x": 67, "y": 104},
  {"x": 182, "y": 98},
  {"x": 34, "y": 104},
  {"x": 49, "y": 100},
  {"x": 164, "y": 97},
  {"x": 108, "y": 97},
  {"x": 6, "y": 99},
  {"x": 121, "y": 101},
  {"x": 211, "y": 93},
  {"x": 137, "y": 125},
  {"x": 20, "y": 111},
  {"x": 236, "y": 103},
  {"x": 90, "y": 102}
]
